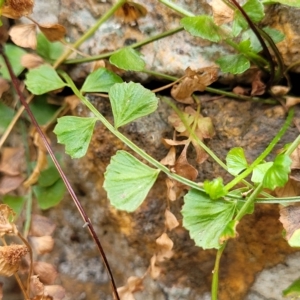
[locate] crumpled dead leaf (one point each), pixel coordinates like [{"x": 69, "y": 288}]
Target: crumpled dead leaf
[
  {"x": 290, "y": 189},
  {"x": 10, "y": 258},
  {"x": 164, "y": 248},
  {"x": 24, "y": 35},
  {"x": 130, "y": 12},
  {"x": 6, "y": 221},
  {"x": 11, "y": 161},
  {"x": 170, "y": 220},
  {"x": 31, "y": 61},
  {"x": 41, "y": 226},
  {"x": 43, "y": 244},
  {"x": 134, "y": 284},
  {"x": 193, "y": 81},
  {"x": 154, "y": 269},
  {"x": 47, "y": 273},
  {"x": 222, "y": 13},
  {"x": 10, "y": 183},
  {"x": 15, "y": 9},
  {"x": 53, "y": 32},
  {"x": 170, "y": 158},
  {"x": 280, "y": 90},
  {"x": 258, "y": 86},
  {"x": 41, "y": 163},
  {"x": 291, "y": 101},
  {"x": 290, "y": 219},
  {"x": 204, "y": 129}
]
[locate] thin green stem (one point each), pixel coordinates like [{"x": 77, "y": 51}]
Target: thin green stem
[
  {"x": 215, "y": 280},
  {"x": 90, "y": 32},
  {"x": 151, "y": 160},
  {"x": 213, "y": 90},
  {"x": 293, "y": 146},
  {"x": 250, "y": 201},
  {"x": 124, "y": 139},
  {"x": 177, "y": 8},
  {"x": 265, "y": 153},
  {"x": 135, "y": 45}
]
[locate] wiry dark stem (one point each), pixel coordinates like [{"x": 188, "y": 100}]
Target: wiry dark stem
[{"x": 87, "y": 221}]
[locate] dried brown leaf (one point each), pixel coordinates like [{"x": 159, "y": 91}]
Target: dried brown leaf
[
  {"x": 295, "y": 157},
  {"x": 6, "y": 221},
  {"x": 24, "y": 35},
  {"x": 170, "y": 221},
  {"x": 10, "y": 183},
  {"x": 134, "y": 284},
  {"x": 291, "y": 101},
  {"x": 170, "y": 159},
  {"x": 42, "y": 244},
  {"x": 290, "y": 219},
  {"x": 238, "y": 90},
  {"x": 222, "y": 13},
  {"x": 36, "y": 287},
  {"x": 290, "y": 189},
  {"x": 10, "y": 258},
  {"x": 130, "y": 12},
  {"x": 154, "y": 269},
  {"x": 73, "y": 101},
  {"x": 172, "y": 191},
  {"x": 31, "y": 61},
  {"x": 11, "y": 161},
  {"x": 183, "y": 168},
  {"x": 193, "y": 81},
  {"x": 258, "y": 86},
  {"x": 41, "y": 226},
  {"x": 164, "y": 248},
  {"x": 57, "y": 292},
  {"x": 280, "y": 90},
  {"x": 16, "y": 9},
  {"x": 47, "y": 273},
  {"x": 53, "y": 32},
  {"x": 4, "y": 86}
]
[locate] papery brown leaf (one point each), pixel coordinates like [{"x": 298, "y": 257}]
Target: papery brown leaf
[
  {"x": 164, "y": 248},
  {"x": 183, "y": 168},
  {"x": 42, "y": 297},
  {"x": 4, "y": 87},
  {"x": 295, "y": 175},
  {"x": 154, "y": 270},
  {"x": 222, "y": 13},
  {"x": 290, "y": 189},
  {"x": 10, "y": 258},
  {"x": 172, "y": 191},
  {"x": 238, "y": 90},
  {"x": 47, "y": 273},
  {"x": 170, "y": 159},
  {"x": 97, "y": 65},
  {"x": 280, "y": 90},
  {"x": 290, "y": 219},
  {"x": 130, "y": 12},
  {"x": 6, "y": 221},
  {"x": 169, "y": 142},
  {"x": 10, "y": 183},
  {"x": 291, "y": 101},
  {"x": 43, "y": 244},
  {"x": 11, "y": 161},
  {"x": 295, "y": 157},
  {"x": 193, "y": 81},
  {"x": 134, "y": 284},
  {"x": 41, "y": 163},
  {"x": 24, "y": 35},
  {"x": 53, "y": 32},
  {"x": 41, "y": 226},
  {"x": 170, "y": 220},
  {"x": 31, "y": 61},
  {"x": 73, "y": 101},
  {"x": 16, "y": 9},
  {"x": 36, "y": 287},
  {"x": 57, "y": 292},
  {"x": 176, "y": 122},
  {"x": 258, "y": 86}
]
